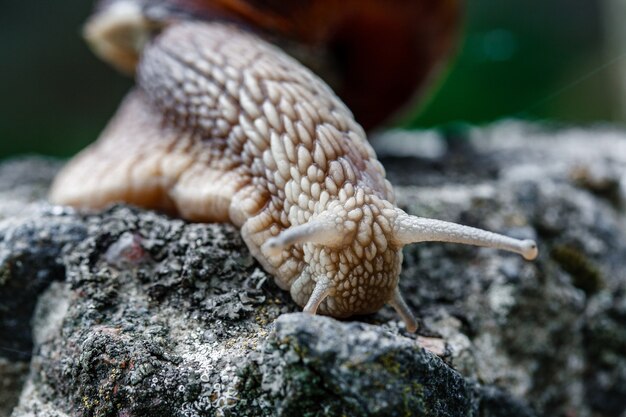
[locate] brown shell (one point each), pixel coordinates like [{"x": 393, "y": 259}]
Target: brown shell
[{"x": 376, "y": 54}]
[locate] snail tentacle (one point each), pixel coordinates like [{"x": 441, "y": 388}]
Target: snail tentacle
[
  {"x": 321, "y": 232},
  {"x": 414, "y": 229},
  {"x": 403, "y": 310},
  {"x": 322, "y": 289}
]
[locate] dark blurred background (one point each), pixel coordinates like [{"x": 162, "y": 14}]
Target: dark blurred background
[{"x": 560, "y": 60}]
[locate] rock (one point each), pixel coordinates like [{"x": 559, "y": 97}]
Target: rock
[
  {"x": 319, "y": 366},
  {"x": 12, "y": 377},
  {"x": 132, "y": 313}
]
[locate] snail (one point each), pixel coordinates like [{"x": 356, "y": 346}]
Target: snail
[{"x": 224, "y": 126}]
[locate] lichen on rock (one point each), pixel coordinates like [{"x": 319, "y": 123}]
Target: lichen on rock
[{"x": 129, "y": 312}]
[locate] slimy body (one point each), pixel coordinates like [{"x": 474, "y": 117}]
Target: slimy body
[{"x": 225, "y": 127}]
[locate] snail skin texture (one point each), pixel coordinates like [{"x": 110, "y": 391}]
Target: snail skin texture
[{"x": 225, "y": 127}]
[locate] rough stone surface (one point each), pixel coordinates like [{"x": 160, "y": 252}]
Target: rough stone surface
[{"x": 131, "y": 313}]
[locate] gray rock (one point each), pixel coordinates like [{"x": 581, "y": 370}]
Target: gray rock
[
  {"x": 131, "y": 313},
  {"x": 12, "y": 377},
  {"x": 319, "y": 366}
]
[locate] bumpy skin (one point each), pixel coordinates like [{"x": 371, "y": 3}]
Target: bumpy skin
[{"x": 226, "y": 127}]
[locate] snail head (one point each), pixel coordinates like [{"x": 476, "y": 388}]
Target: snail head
[{"x": 353, "y": 254}]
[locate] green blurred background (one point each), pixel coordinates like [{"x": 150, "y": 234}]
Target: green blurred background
[{"x": 559, "y": 60}]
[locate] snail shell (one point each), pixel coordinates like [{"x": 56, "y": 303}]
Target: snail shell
[{"x": 377, "y": 55}]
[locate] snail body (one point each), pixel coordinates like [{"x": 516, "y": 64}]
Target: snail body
[{"x": 225, "y": 127}]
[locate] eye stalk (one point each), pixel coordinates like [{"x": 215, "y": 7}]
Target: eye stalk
[
  {"x": 320, "y": 231},
  {"x": 407, "y": 229},
  {"x": 414, "y": 229},
  {"x": 331, "y": 229}
]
